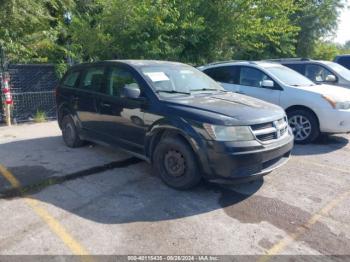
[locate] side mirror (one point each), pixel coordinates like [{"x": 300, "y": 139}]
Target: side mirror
[
  {"x": 331, "y": 78},
  {"x": 268, "y": 83},
  {"x": 131, "y": 91}
]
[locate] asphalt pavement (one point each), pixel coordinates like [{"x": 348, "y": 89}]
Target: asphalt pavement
[{"x": 98, "y": 201}]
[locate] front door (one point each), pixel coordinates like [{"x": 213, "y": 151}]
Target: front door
[
  {"x": 250, "y": 83},
  {"x": 121, "y": 119}
]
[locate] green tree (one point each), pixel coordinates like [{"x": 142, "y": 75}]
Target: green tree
[
  {"x": 316, "y": 19},
  {"x": 185, "y": 30},
  {"x": 30, "y": 29}
]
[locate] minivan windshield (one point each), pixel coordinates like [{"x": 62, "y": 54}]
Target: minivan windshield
[
  {"x": 179, "y": 79},
  {"x": 289, "y": 76},
  {"x": 341, "y": 70}
]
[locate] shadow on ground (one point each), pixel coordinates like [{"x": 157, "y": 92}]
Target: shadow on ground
[
  {"x": 133, "y": 193},
  {"x": 323, "y": 145},
  {"x": 125, "y": 192}
]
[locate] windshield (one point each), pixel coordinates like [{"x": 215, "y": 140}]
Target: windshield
[
  {"x": 289, "y": 76},
  {"x": 341, "y": 70},
  {"x": 179, "y": 79}
]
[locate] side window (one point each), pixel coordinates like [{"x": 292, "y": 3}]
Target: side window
[
  {"x": 71, "y": 79},
  {"x": 316, "y": 73},
  {"x": 224, "y": 74},
  {"x": 252, "y": 77},
  {"x": 117, "y": 79},
  {"x": 344, "y": 61},
  {"x": 300, "y": 68},
  {"x": 93, "y": 79}
]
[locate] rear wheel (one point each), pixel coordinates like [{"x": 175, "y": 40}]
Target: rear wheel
[
  {"x": 69, "y": 133},
  {"x": 176, "y": 164},
  {"x": 304, "y": 125}
]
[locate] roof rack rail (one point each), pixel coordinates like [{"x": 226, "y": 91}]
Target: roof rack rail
[
  {"x": 224, "y": 62},
  {"x": 289, "y": 59},
  {"x": 229, "y": 61}
]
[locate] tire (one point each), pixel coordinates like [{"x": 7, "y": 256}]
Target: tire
[
  {"x": 304, "y": 125},
  {"x": 176, "y": 164},
  {"x": 69, "y": 133}
]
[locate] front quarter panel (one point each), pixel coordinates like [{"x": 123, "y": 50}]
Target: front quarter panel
[{"x": 295, "y": 97}]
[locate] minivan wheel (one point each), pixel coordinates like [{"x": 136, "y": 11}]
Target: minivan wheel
[
  {"x": 176, "y": 164},
  {"x": 304, "y": 125},
  {"x": 69, "y": 133}
]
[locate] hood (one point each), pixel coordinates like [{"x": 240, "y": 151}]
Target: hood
[
  {"x": 338, "y": 93},
  {"x": 226, "y": 109}
]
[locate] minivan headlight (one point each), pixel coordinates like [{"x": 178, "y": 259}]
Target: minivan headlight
[
  {"x": 229, "y": 133},
  {"x": 337, "y": 104}
]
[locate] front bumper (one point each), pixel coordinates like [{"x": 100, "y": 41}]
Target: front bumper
[
  {"x": 334, "y": 121},
  {"x": 244, "y": 161}
]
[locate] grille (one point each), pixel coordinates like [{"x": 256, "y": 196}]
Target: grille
[
  {"x": 266, "y": 137},
  {"x": 262, "y": 126},
  {"x": 270, "y": 131}
]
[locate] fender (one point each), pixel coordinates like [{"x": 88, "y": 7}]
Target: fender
[{"x": 182, "y": 127}]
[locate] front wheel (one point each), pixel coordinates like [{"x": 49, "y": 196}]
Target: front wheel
[
  {"x": 176, "y": 164},
  {"x": 304, "y": 125}
]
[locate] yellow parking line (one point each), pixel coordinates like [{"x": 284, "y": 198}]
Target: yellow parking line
[
  {"x": 54, "y": 225},
  {"x": 282, "y": 244},
  {"x": 9, "y": 177}
]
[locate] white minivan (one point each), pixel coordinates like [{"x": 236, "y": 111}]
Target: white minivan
[{"x": 311, "y": 108}]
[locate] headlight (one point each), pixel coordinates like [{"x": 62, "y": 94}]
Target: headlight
[
  {"x": 229, "y": 133},
  {"x": 336, "y": 104}
]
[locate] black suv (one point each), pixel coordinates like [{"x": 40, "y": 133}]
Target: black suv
[{"x": 174, "y": 116}]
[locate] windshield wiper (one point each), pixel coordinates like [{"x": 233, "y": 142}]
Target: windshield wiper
[
  {"x": 172, "y": 92},
  {"x": 207, "y": 89}
]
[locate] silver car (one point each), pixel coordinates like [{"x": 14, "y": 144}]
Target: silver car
[{"x": 322, "y": 72}]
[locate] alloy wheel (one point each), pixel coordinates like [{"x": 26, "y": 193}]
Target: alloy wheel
[{"x": 301, "y": 127}]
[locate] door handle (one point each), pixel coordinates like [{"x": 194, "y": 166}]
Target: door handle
[
  {"x": 240, "y": 92},
  {"x": 106, "y": 105}
]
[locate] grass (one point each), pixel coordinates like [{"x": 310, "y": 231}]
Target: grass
[{"x": 40, "y": 116}]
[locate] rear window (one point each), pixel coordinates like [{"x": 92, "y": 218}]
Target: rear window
[
  {"x": 344, "y": 61},
  {"x": 71, "y": 79},
  {"x": 300, "y": 68},
  {"x": 224, "y": 74},
  {"x": 93, "y": 79}
]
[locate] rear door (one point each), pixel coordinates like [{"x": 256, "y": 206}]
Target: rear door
[
  {"x": 250, "y": 83},
  {"x": 86, "y": 98}
]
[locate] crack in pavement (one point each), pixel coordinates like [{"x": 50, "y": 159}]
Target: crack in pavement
[{"x": 54, "y": 180}]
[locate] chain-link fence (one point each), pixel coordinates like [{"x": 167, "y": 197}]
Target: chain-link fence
[{"x": 32, "y": 89}]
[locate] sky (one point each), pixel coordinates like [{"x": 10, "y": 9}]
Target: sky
[{"x": 343, "y": 32}]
